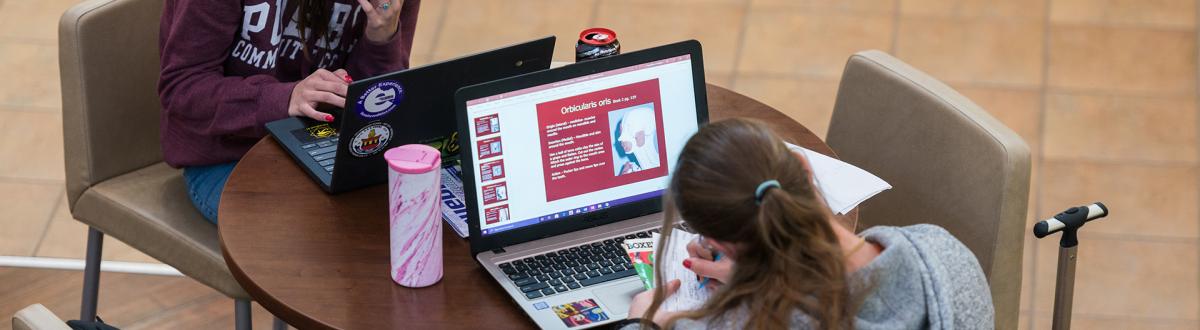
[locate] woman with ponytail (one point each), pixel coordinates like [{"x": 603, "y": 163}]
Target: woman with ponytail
[
  {"x": 786, "y": 262},
  {"x": 228, "y": 67}
]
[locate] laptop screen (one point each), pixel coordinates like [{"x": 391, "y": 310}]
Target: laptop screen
[{"x": 550, "y": 152}]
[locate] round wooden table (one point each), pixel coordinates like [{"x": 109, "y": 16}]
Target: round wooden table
[{"x": 321, "y": 261}]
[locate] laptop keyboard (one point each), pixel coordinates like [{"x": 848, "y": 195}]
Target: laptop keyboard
[
  {"x": 572, "y": 268},
  {"x": 323, "y": 151}
]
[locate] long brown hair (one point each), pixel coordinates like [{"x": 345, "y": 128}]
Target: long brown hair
[
  {"x": 314, "y": 15},
  {"x": 788, "y": 259}
]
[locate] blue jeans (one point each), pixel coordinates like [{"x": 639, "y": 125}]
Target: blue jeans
[{"x": 204, "y": 187}]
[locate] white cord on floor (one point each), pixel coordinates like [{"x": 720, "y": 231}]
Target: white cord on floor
[{"x": 77, "y": 264}]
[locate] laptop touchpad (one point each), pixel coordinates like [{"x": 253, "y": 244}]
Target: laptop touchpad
[{"x": 618, "y": 297}]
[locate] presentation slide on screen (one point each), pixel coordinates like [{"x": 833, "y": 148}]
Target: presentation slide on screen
[
  {"x": 601, "y": 139},
  {"x": 554, "y": 150}
]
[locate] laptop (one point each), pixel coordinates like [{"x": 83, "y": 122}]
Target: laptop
[
  {"x": 561, "y": 166},
  {"x": 403, "y": 107}
]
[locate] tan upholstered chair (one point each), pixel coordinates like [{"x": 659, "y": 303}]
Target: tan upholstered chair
[
  {"x": 37, "y": 317},
  {"x": 117, "y": 183},
  {"x": 949, "y": 161}
]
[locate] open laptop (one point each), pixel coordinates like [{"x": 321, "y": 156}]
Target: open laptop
[
  {"x": 403, "y": 107},
  {"x": 560, "y": 166}
]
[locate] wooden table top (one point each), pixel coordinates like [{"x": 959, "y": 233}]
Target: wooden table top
[{"x": 321, "y": 261}]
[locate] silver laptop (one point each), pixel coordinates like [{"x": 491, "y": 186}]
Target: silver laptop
[{"x": 560, "y": 166}]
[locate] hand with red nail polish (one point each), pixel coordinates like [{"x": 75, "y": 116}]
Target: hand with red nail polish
[{"x": 320, "y": 87}]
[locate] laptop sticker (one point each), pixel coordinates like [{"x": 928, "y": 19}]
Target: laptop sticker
[
  {"x": 314, "y": 133},
  {"x": 371, "y": 139},
  {"x": 380, "y": 99},
  {"x": 321, "y": 131},
  {"x": 579, "y": 313}
]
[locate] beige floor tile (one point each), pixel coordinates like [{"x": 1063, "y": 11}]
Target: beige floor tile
[
  {"x": 808, "y": 101},
  {"x": 1081, "y": 126},
  {"x": 1043, "y": 322},
  {"x": 644, "y": 25},
  {"x": 1157, "y": 200},
  {"x": 789, "y": 42},
  {"x": 67, "y": 238},
  {"x": 1127, "y": 60},
  {"x": 687, "y": 2},
  {"x": 879, "y": 6},
  {"x": 1159, "y": 13},
  {"x": 1104, "y": 323},
  {"x": 31, "y": 75},
  {"x": 429, "y": 22},
  {"x": 1019, "y": 109},
  {"x": 473, "y": 25},
  {"x": 1126, "y": 278},
  {"x": 32, "y": 20},
  {"x": 32, "y": 146},
  {"x": 719, "y": 79},
  {"x": 25, "y": 210},
  {"x": 1020, "y": 9},
  {"x": 1004, "y": 52}
]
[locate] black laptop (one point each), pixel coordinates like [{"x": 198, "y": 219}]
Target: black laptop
[{"x": 404, "y": 107}]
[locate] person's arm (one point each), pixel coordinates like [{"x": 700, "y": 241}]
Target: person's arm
[
  {"x": 196, "y": 37},
  {"x": 371, "y": 58}
]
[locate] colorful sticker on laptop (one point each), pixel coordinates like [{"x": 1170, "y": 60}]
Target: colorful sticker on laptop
[
  {"x": 579, "y": 313},
  {"x": 321, "y": 131},
  {"x": 380, "y": 99},
  {"x": 371, "y": 139}
]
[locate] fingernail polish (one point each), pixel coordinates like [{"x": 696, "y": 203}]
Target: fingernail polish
[
  {"x": 687, "y": 264},
  {"x": 328, "y": 118},
  {"x": 348, "y": 79}
]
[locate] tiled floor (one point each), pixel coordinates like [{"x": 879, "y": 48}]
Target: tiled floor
[{"x": 1104, "y": 91}]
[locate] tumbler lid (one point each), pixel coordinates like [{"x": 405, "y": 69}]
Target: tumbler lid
[{"x": 413, "y": 158}]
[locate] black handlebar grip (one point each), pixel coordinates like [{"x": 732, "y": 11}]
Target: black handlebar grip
[{"x": 1072, "y": 218}]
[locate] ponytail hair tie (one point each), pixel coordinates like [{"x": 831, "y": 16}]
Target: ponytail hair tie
[{"x": 762, "y": 189}]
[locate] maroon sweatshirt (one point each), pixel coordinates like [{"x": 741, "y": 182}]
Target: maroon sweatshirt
[{"x": 228, "y": 68}]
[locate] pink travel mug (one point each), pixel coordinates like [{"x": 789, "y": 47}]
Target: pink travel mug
[{"x": 414, "y": 184}]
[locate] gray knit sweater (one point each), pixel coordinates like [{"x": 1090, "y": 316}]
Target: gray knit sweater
[{"x": 924, "y": 279}]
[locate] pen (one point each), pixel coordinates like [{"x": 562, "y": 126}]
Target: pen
[{"x": 716, "y": 257}]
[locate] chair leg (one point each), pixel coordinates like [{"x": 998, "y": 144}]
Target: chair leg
[
  {"x": 241, "y": 314},
  {"x": 91, "y": 275},
  {"x": 280, "y": 325}
]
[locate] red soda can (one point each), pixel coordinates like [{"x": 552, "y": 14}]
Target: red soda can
[{"x": 596, "y": 43}]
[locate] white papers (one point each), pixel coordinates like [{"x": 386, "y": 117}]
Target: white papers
[
  {"x": 690, "y": 295},
  {"x": 844, "y": 186}
]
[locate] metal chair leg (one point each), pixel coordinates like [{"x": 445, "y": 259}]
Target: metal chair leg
[
  {"x": 241, "y": 312},
  {"x": 91, "y": 275},
  {"x": 280, "y": 325}
]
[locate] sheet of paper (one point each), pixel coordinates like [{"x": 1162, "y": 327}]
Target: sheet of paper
[
  {"x": 844, "y": 186},
  {"x": 690, "y": 295}
]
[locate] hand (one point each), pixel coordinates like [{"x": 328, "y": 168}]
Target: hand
[
  {"x": 321, "y": 86},
  {"x": 628, "y": 168},
  {"x": 700, "y": 261},
  {"x": 383, "y": 18},
  {"x": 641, "y": 303}
]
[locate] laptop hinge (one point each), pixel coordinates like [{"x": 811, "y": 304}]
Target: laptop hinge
[{"x": 498, "y": 251}]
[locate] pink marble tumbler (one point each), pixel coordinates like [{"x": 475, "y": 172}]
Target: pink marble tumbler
[{"x": 414, "y": 186}]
